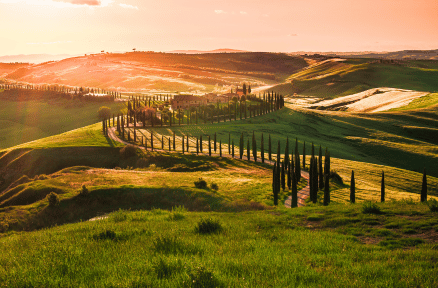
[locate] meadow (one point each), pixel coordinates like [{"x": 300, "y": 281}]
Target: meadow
[
  {"x": 335, "y": 246},
  {"x": 25, "y": 121}
]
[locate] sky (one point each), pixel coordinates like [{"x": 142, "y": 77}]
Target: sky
[{"x": 85, "y": 26}]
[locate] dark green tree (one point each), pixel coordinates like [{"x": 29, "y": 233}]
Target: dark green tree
[
  {"x": 283, "y": 176},
  {"x": 269, "y": 149},
  {"x": 229, "y": 143},
  {"x": 182, "y": 144},
  {"x": 232, "y": 149},
  {"x": 248, "y": 150},
  {"x": 215, "y": 142},
  {"x": 209, "y": 146},
  {"x": 321, "y": 172},
  {"x": 254, "y": 147},
  {"x": 278, "y": 154},
  {"x": 241, "y": 146},
  {"x": 244, "y": 89},
  {"x": 200, "y": 143},
  {"x": 262, "y": 149},
  {"x": 274, "y": 184},
  {"x": 352, "y": 188},
  {"x": 382, "y": 188},
  {"x": 297, "y": 162},
  {"x": 286, "y": 153},
  {"x": 289, "y": 175},
  {"x": 424, "y": 187},
  {"x": 304, "y": 155},
  {"x": 311, "y": 188}
]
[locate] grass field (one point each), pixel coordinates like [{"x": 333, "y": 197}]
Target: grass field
[
  {"x": 335, "y": 79},
  {"x": 399, "y": 139},
  {"x": 430, "y": 100},
  {"x": 24, "y": 121},
  {"x": 338, "y": 246}
]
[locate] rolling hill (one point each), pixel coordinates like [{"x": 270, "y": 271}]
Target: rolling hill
[{"x": 146, "y": 71}]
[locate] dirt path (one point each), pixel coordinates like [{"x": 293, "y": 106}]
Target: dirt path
[{"x": 303, "y": 194}]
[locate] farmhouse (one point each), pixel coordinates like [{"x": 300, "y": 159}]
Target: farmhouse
[{"x": 186, "y": 101}]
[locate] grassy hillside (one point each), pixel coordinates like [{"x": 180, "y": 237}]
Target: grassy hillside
[
  {"x": 280, "y": 248},
  {"x": 27, "y": 120},
  {"x": 398, "y": 139},
  {"x": 164, "y": 71},
  {"x": 332, "y": 79}
]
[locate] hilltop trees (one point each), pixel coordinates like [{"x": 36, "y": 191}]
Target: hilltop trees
[
  {"x": 352, "y": 188},
  {"x": 104, "y": 113}
]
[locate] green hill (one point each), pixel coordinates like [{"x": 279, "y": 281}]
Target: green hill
[{"x": 332, "y": 79}]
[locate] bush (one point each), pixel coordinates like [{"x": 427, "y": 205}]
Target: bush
[
  {"x": 370, "y": 208},
  {"x": 214, "y": 186},
  {"x": 128, "y": 151},
  {"x": 201, "y": 277},
  {"x": 104, "y": 113},
  {"x": 53, "y": 199},
  {"x": 433, "y": 205},
  {"x": 201, "y": 184},
  {"x": 84, "y": 191},
  {"x": 208, "y": 226},
  {"x": 106, "y": 235},
  {"x": 336, "y": 177}
]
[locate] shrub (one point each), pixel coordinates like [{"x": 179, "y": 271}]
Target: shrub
[
  {"x": 104, "y": 113},
  {"x": 214, "y": 186},
  {"x": 433, "y": 205},
  {"x": 201, "y": 277},
  {"x": 106, "y": 235},
  {"x": 177, "y": 213},
  {"x": 84, "y": 191},
  {"x": 370, "y": 208},
  {"x": 53, "y": 199},
  {"x": 201, "y": 184},
  {"x": 128, "y": 151},
  {"x": 336, "y": 177},
  {"x": 165, "y": 270},
  {"x": 208, "y": 226}
]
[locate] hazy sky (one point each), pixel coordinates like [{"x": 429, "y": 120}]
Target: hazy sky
[{"x": 81, "y": 26}]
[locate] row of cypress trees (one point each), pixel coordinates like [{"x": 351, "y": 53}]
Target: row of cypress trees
[{"x": 423, "y": 194}]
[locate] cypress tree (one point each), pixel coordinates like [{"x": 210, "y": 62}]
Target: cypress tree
[
  {"x": 289, "y": 180},
  {"x": 352, "y": 188},
  {"x": 297, "y": 162},
  {"x": 168, "y": 139},
  {"x": 229, "y": 143},
  {"x": 188, "y": 144},
  {"x": 269, "y": 149},
  {"x": 382, "y": 188},
  {"x": 215, "y": 142},
  {"x": 274, "y": 184},
  {"x": 262, "y": 148},
  {"x": 311, "y": 181},
  {"x": 254, "y": 147},
  {"x": 241, "y": 146},
  {"x": 283, "y": 176},
  {"x": 304, "y": 155},
  {"x": 129, "y": 135},
  {"x": 327, "y": 162},
  {"x": 232, "y": 149},
  {"x": 326, "y": 190},
  {"x": 321, "y": 172},
  {"x": 315, "y": 178},
  {"x": 197, "y": 145},
  {"x": 424, "y": 187},
  {"x": 174, "y": 142},
  {"x": 182, "y": 144},
  {"x": 278, "y": 154},
  {"x": 286, "y": 153},
  {"x": 152, "y": 141},
  {"x": 248, "y": 150},
  {"x": 162, "y": 142},
  {"x": 209, "y": 146},
  {"x": 294, "y": 192}
]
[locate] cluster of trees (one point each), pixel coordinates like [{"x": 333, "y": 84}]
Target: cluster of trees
[
  {"x": 143, "y": 110},
  {"x": 289, "y": 172}
]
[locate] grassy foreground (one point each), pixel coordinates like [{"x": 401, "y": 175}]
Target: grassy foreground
[{"x": 338, "y": 246}]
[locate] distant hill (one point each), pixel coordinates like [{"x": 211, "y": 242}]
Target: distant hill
[
  {"x": 397, "y": 55},
  {"x": 163, "y": 71},
  {"x": 33, "y": 58},
  {"x": 223, "y": 50},
  {"x": 339, "y": 77}
]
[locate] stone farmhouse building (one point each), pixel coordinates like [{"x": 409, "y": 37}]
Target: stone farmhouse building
[{"x": 186, "y": 101}]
